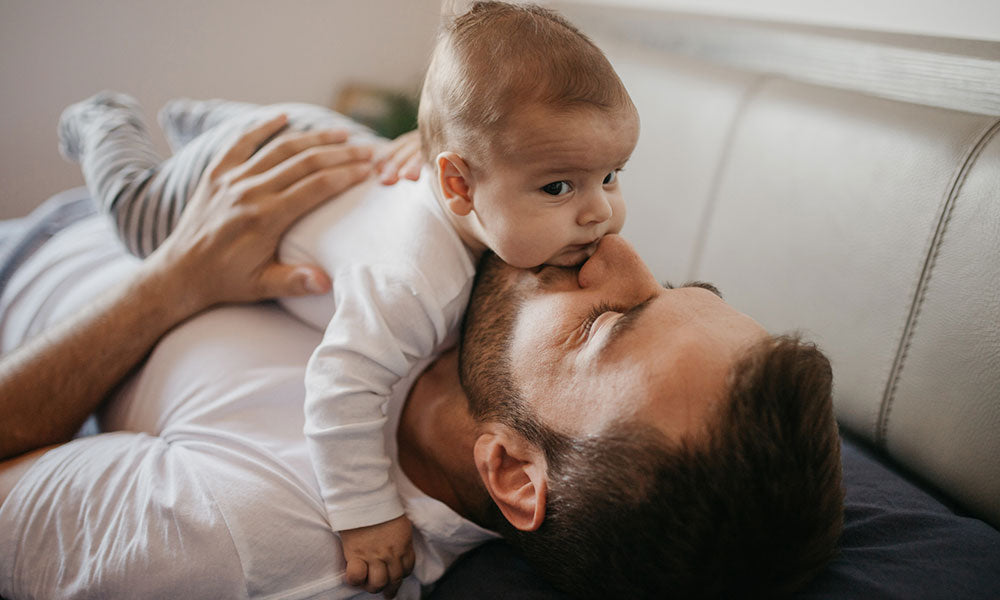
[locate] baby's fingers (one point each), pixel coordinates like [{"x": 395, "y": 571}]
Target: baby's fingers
[
  {"x": 408, "y": 560},
  {"x": 378, "y": 577},
  {"x": 399, "y": 569},
  {"x": 356, "y": 573},
  {"x": 411, "y": 170},
  {"x": 392, "y": 589},
  {"x": 400, "y": 158}
]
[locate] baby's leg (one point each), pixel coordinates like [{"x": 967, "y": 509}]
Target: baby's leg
[
  {"x": 127, "y": 178},
  {"x": 145, "y": 195},
  {"x": 184, "y": 119}
]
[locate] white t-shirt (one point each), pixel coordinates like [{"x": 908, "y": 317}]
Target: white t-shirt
[{"x": 208, "y": 492}]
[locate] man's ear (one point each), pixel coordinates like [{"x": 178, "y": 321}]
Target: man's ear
[
  {"x": 455, "y": 181},
  {"x": 514, "y": 473}
]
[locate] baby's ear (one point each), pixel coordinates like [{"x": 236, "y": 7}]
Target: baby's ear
[{"x": 455, "y": 182}]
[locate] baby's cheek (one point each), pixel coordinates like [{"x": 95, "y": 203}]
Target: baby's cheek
[
  {"x": 618, "y": 213},
  {"x": 530, "y": 245}
]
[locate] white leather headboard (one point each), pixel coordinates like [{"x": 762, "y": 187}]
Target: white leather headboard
[{"x": 870, "y": 224}]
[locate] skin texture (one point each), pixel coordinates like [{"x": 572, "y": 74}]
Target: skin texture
[
  {"x": 223, "y": 250},
  {"x": 549, "y": 191}
]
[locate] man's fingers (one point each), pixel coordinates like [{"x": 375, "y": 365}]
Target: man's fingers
[
  {"x": 310, "y": 161},
  {"x": 356, "y": 572},
  {"x": 282, "y": 281},
  {"x": 313, "y": 189},
  {"x": 245, "y": 145},
  {"x": 289, "y": 145}
]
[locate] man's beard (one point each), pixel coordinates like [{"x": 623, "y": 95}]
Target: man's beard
[
  {"x": 484, "y": 353},
  {"x": 484, "y": 364}
]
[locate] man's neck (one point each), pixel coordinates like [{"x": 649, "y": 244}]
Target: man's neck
[{"x": 435, "y": 438}]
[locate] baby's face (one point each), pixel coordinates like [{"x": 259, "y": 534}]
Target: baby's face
[{"x": 554, "y": 192}]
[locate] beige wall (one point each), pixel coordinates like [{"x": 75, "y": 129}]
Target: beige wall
[{"x": 54, "y": 52}]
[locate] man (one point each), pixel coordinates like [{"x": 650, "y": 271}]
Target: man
[{"x": 632, "y": 440}]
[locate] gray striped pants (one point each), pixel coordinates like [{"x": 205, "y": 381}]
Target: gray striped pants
[{"x": 143, "y": 193}]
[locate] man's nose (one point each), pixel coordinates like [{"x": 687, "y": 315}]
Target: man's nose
[{"x": 614, "y": 260}]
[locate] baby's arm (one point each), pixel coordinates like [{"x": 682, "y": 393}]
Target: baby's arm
[{"x": 384, "y": 325}]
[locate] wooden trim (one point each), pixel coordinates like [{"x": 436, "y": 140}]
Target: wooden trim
[{"x": 955, "y": 74}]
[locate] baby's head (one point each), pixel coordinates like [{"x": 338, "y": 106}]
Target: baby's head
[{"x": 527, "y": 126}]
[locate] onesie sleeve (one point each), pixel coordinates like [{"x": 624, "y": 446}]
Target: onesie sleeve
[{"x": 384, "y": 323}]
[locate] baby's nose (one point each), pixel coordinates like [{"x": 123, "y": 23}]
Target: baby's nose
[{"x": 597, "y": 210}]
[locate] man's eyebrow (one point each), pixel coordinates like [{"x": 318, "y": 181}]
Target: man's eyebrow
[
  {"x": 698, "y": 284},
  {"x": 627, "y": 321}
]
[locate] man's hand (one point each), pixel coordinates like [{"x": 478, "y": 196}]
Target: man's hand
[
  {"x": 402, "y": 157},
  {"x": 379, "y": 556},
  {"x": 222, "y": 250},
  {"x": 224, "y": 246}
]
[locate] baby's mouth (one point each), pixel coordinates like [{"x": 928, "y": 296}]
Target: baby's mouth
[
  {"x": 575, "y": 255},
  {"x": 587, "y": 249}
]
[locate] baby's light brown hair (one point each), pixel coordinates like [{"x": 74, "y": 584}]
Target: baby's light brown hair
[{"x": 497, "y": 57}]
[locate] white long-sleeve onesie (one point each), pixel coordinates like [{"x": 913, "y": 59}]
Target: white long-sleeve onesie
[{"x": 401, "y": 282}]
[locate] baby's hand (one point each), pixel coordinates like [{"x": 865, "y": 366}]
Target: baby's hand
[
  {"x": 379, "y": 556},
  {"x": 402, "y": 157}
]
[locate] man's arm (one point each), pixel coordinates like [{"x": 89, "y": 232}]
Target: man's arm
[{"x": 223, "y": 250}]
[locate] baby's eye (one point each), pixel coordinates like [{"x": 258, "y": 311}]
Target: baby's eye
[
  {"x": 611, "y": 177},
  {"x": 556, "y": 188}
]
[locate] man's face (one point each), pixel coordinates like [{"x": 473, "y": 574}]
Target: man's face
[{"x": 587, "y": 347}]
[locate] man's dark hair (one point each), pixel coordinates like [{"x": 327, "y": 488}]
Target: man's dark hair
[{"x": 752, "y": 509}]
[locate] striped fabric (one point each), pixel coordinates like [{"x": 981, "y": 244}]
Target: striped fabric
[{"x": 143, "y": 193}]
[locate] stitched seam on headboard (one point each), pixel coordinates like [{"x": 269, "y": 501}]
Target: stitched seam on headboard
[
  {"x": 701, "y": 237},
  {"x": 962, "y": 172}
]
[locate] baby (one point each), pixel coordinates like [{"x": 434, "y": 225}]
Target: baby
[{"x": 525, "y": 126}]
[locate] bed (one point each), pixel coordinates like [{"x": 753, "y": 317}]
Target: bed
[
  {"x": 901, "y": 539},
  {"x": 826, "y": 190}
]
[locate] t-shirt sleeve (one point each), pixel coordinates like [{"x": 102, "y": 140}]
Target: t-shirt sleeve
[
  {"x": 119, "y": 515},
  {"x": 385, "y": 322}
]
